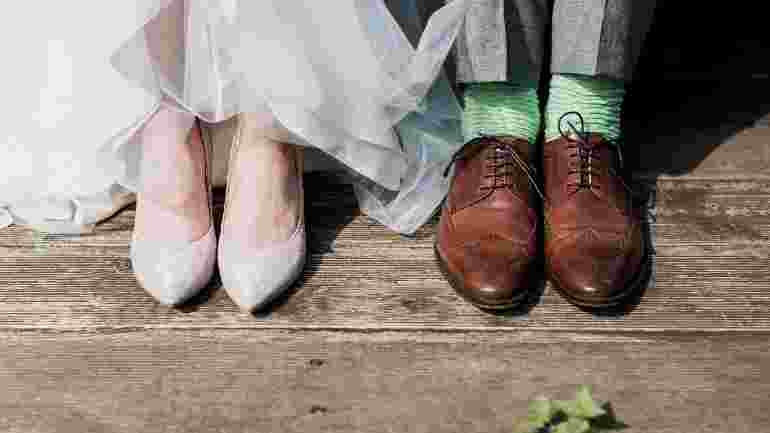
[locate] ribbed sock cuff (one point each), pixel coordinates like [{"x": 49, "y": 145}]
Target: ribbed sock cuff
[
  {"x": 598, "y": 100},
  {"x": 502, "y": 109}
]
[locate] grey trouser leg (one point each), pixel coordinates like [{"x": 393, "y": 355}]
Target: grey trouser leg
[
  {"x": 504, "y": 40},
  {"x": 599, "y": 37}
]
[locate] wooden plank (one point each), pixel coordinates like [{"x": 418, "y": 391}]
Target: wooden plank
[
  {"x": 713, "y": 129},
  {"x": 164, "y": 381},
  {"x": 711, "y": 274},
  {"x": 346, "y": 291},
  {"x": 327, "y": 196},
  {"x": 712, "y": 217},
  {"x": 740, "y": 154}
]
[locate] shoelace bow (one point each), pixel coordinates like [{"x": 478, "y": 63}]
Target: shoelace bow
[
  {"x": 499, "y": 163},
  {"x": 587, "y": 154}
]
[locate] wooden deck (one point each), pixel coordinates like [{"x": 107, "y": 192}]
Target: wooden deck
[{"x": 374, "y": 340}]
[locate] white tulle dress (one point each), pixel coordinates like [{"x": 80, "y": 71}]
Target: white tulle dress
[{"x": 359, "y": 79}]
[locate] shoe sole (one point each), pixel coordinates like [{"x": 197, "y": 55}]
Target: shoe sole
[
  {"x": 459, "y": 288},
  {"x": 641, "y": 277}
]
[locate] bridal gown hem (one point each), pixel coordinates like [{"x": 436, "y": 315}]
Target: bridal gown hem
[{"x": 363, "y": 90}]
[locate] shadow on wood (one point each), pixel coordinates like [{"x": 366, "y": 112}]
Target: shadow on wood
[
  {"x": 700, "y": 81},
  {"x": 671, "y": 127},
  {"x": 330, "y": 205}
]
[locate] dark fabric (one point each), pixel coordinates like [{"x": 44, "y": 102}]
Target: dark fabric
[{"x": 624, "y": 30}]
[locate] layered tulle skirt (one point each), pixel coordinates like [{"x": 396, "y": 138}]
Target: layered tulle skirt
[{"x": 360, "y": 80}]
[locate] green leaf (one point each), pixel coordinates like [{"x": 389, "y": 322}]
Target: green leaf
[
  {"x": 573, "y": 425},
  {"x": 609, "y": 421},
  {"x": 585, "y": 406},
  {"x": 567, "y": 406},
  {"x": 540, "y": 412}
]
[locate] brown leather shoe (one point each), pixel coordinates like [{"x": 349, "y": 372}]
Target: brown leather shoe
[
  {"x": 487, "y": 237},
  {"x": 595, "y": 251}
]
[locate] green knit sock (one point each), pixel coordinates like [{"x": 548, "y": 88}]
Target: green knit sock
[
  {"x": 501, "y": 109},
  {"x": 598, "y": 100}
]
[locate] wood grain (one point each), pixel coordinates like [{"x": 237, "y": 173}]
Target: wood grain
[
  {"x": 65, "y": 293},
  {"x": 699, "y": 129},
  {"x": 694, "y": 216},
  {"x": 711, "y": 275},
  {"x": 277, "y": 381}
]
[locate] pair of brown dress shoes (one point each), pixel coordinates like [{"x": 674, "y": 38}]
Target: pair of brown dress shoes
[{"x": 489, "y": 237}]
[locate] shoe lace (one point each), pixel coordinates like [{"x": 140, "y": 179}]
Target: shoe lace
[
  {"x": 500, "y": 164},
  {"x": 586, "y": 157}
]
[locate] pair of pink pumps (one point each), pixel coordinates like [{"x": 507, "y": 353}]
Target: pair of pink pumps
[{"x": 262, "y": 246}]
